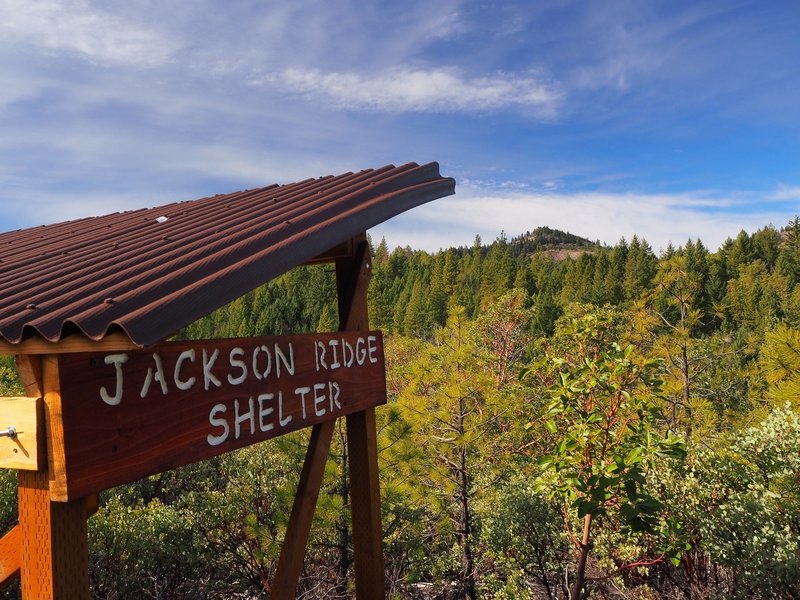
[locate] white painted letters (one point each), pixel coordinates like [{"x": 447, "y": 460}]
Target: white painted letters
[
  {"x": 216, "y": 440},
  {"x": 242, "y": 417},
  {"x": 117, "y": 360},
  {"x": 265, "y": 412},
  {"x": 302, "y": 391},
  {"x": 158, "y": 376},
  {"x": 287, "y": 363},
  {"x": 319, "y": 399},
  {"x": 208, "y": 363},
  {"x": 181, "y": 384},
  {"x": 237, "y": 363}
]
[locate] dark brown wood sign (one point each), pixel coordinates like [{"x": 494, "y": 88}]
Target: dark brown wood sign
[{"x": 128, "y": 415}]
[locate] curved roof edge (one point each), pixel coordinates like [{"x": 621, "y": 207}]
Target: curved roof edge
[{"x": 151, "y": 272}]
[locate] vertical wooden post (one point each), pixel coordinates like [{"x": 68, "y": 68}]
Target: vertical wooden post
[
  {"x": 55, "y": 559},
  {"x": 352, "y": 279}
]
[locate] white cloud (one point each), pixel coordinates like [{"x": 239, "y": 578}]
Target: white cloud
[
  {"x": 660, "y": 219},
  {"x": 787, "y": 193},
  {"x": 76, "y": 27},
  {"x": 419, "y": 90}
]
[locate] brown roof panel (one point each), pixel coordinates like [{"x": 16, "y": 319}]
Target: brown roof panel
[{"x": 150, "y": 272}]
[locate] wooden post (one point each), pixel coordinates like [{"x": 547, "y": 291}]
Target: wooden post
[
  {"x": 10, "y": 555},
  {"x": 55, "y": 562},
  {"x": 352, "y": 279},
  {"x": 290, "y": 563}
]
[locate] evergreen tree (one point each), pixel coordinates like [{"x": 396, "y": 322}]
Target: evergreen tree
[
  {"x": 616, "y": 272},
  {"x": 766, "y": 246},
  {"x": 417, "y": 321},
  {"x": 497, "y": 272},
  {"x": 640, "y": 268},
  {"x": 789, "y": 257},
  {"x": 740, "y": 253},
  {"x": 780, "y": 364},
  {"x": 448, "y": 404}
]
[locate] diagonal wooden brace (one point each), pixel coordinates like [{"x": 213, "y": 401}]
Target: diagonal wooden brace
[
  {"x": 290, "y": 564},
  {"x": 10, "y": 555}
]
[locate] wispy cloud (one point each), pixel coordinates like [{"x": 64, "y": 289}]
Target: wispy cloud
[
  {"x": 76, "y": 27},
  {"x": 786, "y": 193},
  {"x": 660, "y": 219},
  {"x": 439, "y": 89}
]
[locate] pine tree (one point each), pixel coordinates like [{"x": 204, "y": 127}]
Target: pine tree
[
  {"x": 780, "y": 365},
  {"x": 448, "y": 405},
  {"x": 789, "y": 257},
  {"x": 497, "y": 273},
  {"x": 740, "y": 253},
  {"x": 417, "y": 321},
  {"x": 328, "y": 319},
  {"x": 640, "y": 268},
  {"x": 674, "y": 303},
  {"x": 766, "y": 246}
]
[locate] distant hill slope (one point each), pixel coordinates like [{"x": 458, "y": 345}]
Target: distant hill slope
[{"x": 557, "y": 244}]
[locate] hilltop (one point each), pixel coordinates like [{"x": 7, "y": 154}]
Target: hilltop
[{"x": 555, "y": 244}]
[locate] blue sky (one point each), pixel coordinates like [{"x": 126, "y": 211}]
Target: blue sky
[{"x": 666, "y": 119}]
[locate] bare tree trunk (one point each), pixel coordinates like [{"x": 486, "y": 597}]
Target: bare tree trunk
[{"x": 580, "y": 572}]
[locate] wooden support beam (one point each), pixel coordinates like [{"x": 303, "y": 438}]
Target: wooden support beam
[
  {"x": 10, "y": 555},
  {"x": 55, "y": 556},
  {"x": 290, "y": 564},
  {"x": 11, "y": 547},
  {"x": 352, "y": 276},
  {"x": 54, "y": 545},
  {"x": 30, "y": 374},
  {"x": 341, "y": 251},
  {"x": 56, "y": 462},
  {"x": 352, "y": 282},
  {"x": 352, "y": 279},
  {"x": 24, "y": 451},
  {"x": 70, "y": 344},
  {"x": 365, "y": 503}
]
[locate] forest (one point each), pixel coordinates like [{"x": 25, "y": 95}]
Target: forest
[{"x": 566, "y": 419}]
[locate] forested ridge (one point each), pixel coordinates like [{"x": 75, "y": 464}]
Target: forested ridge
[{"x": 565, "y": 419}]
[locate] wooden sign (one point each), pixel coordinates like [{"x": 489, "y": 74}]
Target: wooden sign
[{"x": 127, "y": 415}]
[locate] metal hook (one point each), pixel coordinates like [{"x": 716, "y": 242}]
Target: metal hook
[{"x": 10, "y": 432}]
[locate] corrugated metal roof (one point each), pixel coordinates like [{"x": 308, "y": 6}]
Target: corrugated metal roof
[{"x": 150, "y": 272}]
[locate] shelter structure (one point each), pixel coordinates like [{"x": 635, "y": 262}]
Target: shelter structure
[{"x": 86, "y": 307}]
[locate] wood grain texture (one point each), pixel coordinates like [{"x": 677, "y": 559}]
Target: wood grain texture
[
  {"x": 26, "y": 450},
  {"x": 352, "y": 276},
  {"x": 148, "y": 431},
  {"x": 365, "y": 504},
  {"x": 54, "y": 426},
  {"x": 10, "y": 555},
  {"x": 68, "y": 345},
  {"x": 352, "y": 281},
  {"x": 29, "y": 368},
  {"x": 54, "y": 548},
  {"x": 340, "y": 251}
]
